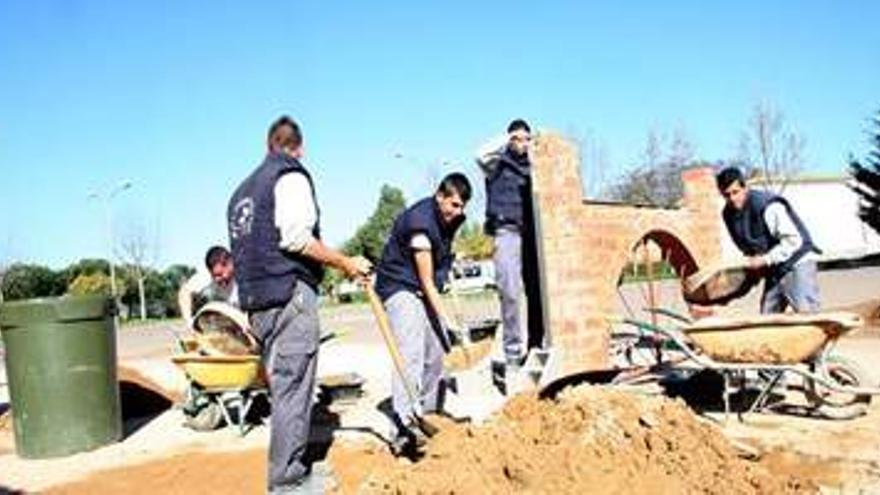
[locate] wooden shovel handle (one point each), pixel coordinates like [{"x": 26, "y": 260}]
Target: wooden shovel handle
[{"x": 390, "y": 342}]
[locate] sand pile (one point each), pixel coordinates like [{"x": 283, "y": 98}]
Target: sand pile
[{"x": 590, "y": 440}]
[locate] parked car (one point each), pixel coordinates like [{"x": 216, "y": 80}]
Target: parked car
[
  {"x": 348, "y": 291},
  {"x": 472, "y": 276}
]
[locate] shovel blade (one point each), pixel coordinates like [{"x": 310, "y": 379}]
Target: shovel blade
[{"x": 466, "y": 356}]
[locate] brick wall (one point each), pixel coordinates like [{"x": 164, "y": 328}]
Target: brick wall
[{"x": 584, "y": 247}]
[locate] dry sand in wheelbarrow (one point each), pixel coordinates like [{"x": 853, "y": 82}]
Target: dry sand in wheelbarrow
[{"x": 589, "y": 440}]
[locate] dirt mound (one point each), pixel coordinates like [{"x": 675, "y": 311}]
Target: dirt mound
[
  {"x": 590, "y": 440},
  {"x": 196, "y": 472}
]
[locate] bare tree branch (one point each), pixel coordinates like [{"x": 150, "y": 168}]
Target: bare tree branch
[
  {"x": 681, "y": 150},
  {"x": 772, "y": 146},
  {"x": 657, "y": 180},
  {"x": 593, "y": 158},
  {"x": 138, "y": 252}
]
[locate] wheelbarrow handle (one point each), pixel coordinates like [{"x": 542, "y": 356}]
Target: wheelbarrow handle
[{"x": 671, "y": 314}]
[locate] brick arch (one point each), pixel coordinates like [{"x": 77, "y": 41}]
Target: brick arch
[
  {"x": 584, "y": 244},
  {"x": 672, "y": 249}
]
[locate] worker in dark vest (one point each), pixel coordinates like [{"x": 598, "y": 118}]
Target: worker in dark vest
[
  {"x": 775, "y": 241},
  {"x": 275, "y": 236},
  {"x": 510, "y": 221},
  {"x": 415, "y": 265}
]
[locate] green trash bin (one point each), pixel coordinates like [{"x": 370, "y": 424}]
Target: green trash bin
[{"x": 61, "y": 371}]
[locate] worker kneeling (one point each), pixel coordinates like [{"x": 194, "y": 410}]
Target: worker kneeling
[{"x": 415, "y": 263}]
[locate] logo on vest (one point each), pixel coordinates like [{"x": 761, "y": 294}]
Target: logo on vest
[{"x": 242, "y": 218}]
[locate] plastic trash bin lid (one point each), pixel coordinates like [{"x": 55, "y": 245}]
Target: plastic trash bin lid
[{"x": 54, "y": 309}]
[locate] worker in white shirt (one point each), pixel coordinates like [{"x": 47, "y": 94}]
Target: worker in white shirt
[
  {"x": 214, "y": 283},
  {"x": 275, "y": 234},
  {"x": 775, "y": 241}
]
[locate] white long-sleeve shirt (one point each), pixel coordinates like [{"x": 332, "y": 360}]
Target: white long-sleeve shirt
[
  {"x": 203, "y": 284},
  {"x": 295, "y": 212},
  {"x": 781, "y": 227},
  {"x": 489, "y": 153}
]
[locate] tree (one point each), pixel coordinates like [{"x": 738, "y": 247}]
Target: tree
[
  {"x": 26, "y": 281},
  {"x": 93, "y": 283},
  {"x": 866, "y": 180},
  {"x": 137, "y": 251},
  {"x": 174, "y": 276},
  {"x": 657, "y": 180},
  {"x": 160, "y": 293},
  {"x": 771, "y": 146},
  {"x": 5, "y": 262},
  {"x": 369, "y": 239},
  {"x": 472, "y": 243},
  {"x": 86, "y": 266}
]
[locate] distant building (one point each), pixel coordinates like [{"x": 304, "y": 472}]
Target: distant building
[{"x": 829, "y": 209}]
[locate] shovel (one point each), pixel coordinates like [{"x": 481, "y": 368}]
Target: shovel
[
  {"x": 468, "y": 347},
  {"x": 385, "y": 329}
]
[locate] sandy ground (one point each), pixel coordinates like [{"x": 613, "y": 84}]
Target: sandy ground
[{"x": 158, "y": 454}]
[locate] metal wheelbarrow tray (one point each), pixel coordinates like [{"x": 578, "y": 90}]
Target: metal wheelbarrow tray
[
  {"x": 775, "y": 346},
  {"x": 222, "y": 373},
  {"x": 219, "y": 384},
  {"x": 769, "y": 339},
  {"x": 223, "y": 368}
]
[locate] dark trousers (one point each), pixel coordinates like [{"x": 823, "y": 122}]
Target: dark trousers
[{"x": 531, "y": 275}]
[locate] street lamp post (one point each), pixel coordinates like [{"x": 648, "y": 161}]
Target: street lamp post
[{"x": 108, "y": 212}]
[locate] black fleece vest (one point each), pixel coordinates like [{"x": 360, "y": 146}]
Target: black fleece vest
[
  {"x": 751, "y": 235},
  {"x": 508, "y": 192},
  {"x": 265, "y": 274},
  {"x": 397, "y": 268}
]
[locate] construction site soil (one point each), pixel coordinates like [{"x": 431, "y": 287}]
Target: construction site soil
[{"x": 589, "y": 440}]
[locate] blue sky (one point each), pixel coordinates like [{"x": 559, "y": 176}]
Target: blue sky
[{"x": 176, "y": 98}]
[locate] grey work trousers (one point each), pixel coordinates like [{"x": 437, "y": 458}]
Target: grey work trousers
[
  {"x": 798, "y": 288},
  {"x": 289, "y": 337},
  {"x": 422, "y": 356},
  {"x": 516, "y": 268}
]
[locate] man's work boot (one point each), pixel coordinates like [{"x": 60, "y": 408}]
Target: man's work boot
[{"x": 408, "y": 441}]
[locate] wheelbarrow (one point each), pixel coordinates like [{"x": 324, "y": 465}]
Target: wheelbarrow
[
  {"x": 775, "y": 347},
  {"x": 223, "y": 368},
  {"x": 219, "y": 386}
]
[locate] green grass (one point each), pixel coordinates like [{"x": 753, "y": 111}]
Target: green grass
[{"x": 639, "y": 272}]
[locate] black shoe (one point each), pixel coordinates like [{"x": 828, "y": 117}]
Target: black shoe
[{"x": 408, "y": 441}]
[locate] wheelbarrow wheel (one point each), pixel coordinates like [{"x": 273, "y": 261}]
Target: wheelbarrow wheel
[
  {"x": 208, "y": 418},
  {"x": 201, "y": 413},
  {"x": 839, "y": 405}
]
